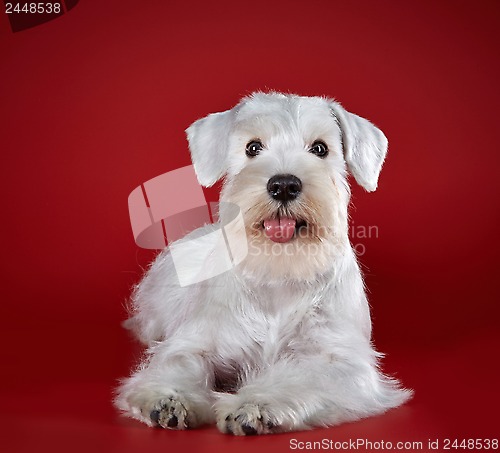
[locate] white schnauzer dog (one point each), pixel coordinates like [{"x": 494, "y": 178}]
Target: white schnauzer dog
[{"x": 282, "y": 340}]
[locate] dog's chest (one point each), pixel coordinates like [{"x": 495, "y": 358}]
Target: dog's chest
[{"x": 268, "y": 324}]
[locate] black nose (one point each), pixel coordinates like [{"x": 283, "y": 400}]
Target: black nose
[{"x": 284, "y": 187}]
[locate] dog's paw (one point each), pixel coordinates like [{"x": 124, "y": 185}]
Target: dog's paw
[
  {"x": 248, "y": 420},
  {"x": 170, "y": 413},
  {"x": 168, "y": 409}
]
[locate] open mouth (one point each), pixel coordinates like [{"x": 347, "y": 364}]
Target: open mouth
[{"x": 282, "y": 229}]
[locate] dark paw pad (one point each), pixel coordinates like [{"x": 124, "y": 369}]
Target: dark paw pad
[
  {"x": 248, "y": 430},
  {"x": 173, "y": 422},
  {"x": 155, "y": 416}
]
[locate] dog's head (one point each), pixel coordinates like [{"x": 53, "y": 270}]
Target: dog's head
[{"x": 284, "y": 160}]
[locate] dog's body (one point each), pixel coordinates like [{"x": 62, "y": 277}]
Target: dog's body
[{"x": 282, "y": 341}]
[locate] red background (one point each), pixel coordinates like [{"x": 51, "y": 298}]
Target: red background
[{"x": 96, "y": 102}]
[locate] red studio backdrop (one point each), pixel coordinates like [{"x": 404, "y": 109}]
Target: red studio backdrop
[{"x": 95, "y": 102}]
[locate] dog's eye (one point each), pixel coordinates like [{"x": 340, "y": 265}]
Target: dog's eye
[
  {"x": 319, "y": 149},
  {"x": 253, "y": 148}
]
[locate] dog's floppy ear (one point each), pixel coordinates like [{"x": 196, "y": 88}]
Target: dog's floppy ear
[
  {"x": 365, "y": 147},
  {"x": 209, "y": 144}
]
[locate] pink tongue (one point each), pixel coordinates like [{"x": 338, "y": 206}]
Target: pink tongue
[{"x": 279, "y": 230}]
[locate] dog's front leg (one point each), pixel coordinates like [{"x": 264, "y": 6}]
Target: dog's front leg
[
  {"x": 276, "y": 398},
  {"x": 299, "y": 394},
  {"x": 170, "y": 390}
]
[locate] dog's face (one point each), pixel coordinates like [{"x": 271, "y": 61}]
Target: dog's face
[{"x": 284, "y": 159}]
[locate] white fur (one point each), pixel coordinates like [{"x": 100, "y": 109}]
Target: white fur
[{"x": 289, "y": 328}]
